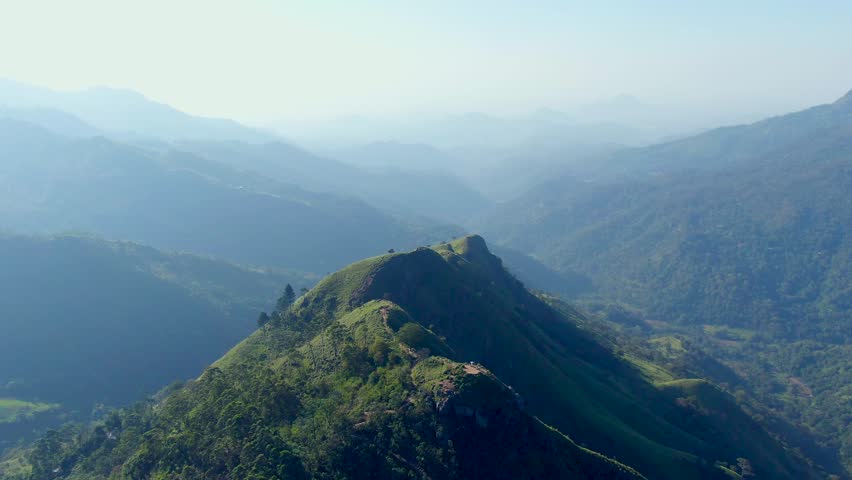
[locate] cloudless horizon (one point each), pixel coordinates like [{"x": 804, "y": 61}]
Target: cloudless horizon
[{"x": 262, "y": 61}]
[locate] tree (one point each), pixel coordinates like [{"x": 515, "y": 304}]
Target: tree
[
  {"x": 287, "y": 298},
  {"x": 379, "y": 351},
  {"x": 262, "y": 319},
  {"x": 303, "y": 290},
  {"x": 337, "y": 334}
]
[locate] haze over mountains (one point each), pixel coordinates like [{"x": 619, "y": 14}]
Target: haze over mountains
[
  {"x": 740, "y": 236},
  {"x": 445, "y": 241},
  {"x": 623, "y": 119},
  {"x": 90, "y": 343},
  {"x": 731, "y": 197},
  {"x": 125, "y": 113},
  {"x": 88, "y": 114},
  {"x": 178, "y": 201},
  {"x": 716, "y": 266}
]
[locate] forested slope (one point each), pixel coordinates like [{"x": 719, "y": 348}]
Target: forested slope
[{"x": 390, "y": 368}]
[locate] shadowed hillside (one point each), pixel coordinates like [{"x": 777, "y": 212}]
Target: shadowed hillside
[{"x": 89, "y": 322}]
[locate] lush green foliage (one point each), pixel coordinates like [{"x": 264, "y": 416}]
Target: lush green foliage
[
  {"x": 353, "y": 402},
  {"x": 332, "y": 388},
  {"x": 738, "y": 237},
  {"x": 12, "y": 410}
]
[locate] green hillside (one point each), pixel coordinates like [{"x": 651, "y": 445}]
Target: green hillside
[
  {"x": 12, "y": 410},
  {"x": 88, "y": 322},
  {"x": 431, "y": 364},
  {"x": 738, "y": 238}
]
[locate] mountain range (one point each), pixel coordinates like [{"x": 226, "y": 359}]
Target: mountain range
[
  {"x": 87, "y": 322},
  {"x": 714, "y": 269},
  {"x": 129, "y": 118},
  {"x": 123, "y": 113},
  {"x": 174, "y": 200},
  {"x": 737, "y": 237},
  {"x": 433, "y": 363}
]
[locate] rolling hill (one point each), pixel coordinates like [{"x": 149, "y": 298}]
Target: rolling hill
[
  {"x": 436, "y": 194},
  {"x": 739, "y": 237},
  {"x": 432, "y": 363},
  {"x": 178, "y": 201},
  {"x": 88, "y": 322},
  {"x": 128, "y": 117},
  {"x": 766, "y": 142}
]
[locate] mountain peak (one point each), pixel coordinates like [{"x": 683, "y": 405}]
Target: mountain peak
[
  {"x": 470, "y": 244},
  {"x": 474, "y": 249}
]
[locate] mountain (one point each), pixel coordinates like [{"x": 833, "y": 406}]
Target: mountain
[
  {"x": 498, "y": 156},
  {"x": 127, "y": 116},
  {"x": 615, "y": 122},
  {"x": 499, "y": 173},
  {"x": 738, "y": 237},
  {"x": 766, "y": 142},
  {"x": 127, "y": 113},
  {"x": 504, "y": 174},
  {"x": 398, "y": 155},
  {"x": 437, "y": 194},
  {"x": 177, "y": 201},
  {"x": 88, "y": 322},
  {"x": 56, "y": 121},
  {"x": 431, "y": 363}
]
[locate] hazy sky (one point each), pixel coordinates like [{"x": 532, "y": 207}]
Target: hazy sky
[{"x": 262, "y": 59}]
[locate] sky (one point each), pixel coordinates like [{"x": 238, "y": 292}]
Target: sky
[{"x": 260, "y": 60}]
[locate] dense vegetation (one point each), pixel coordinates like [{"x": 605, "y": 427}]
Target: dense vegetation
[
  {"x": 389, "y": 368},
  {"x": 738, "y": 237},
  {"x": 733, "y": 242},
  {"x": 88, "y": 322}
]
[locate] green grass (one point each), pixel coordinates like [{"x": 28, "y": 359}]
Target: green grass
[
  {"x": 723, "y": 332},
  {"x": 669, "y": 343},
  {"x": 13, "y": 410},
  {"x": 650, "y": 371},
  {"x": 13, "y": 465}
]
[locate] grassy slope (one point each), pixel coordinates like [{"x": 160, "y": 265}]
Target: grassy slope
[
  {"x": 13, "y": 465},
  {"x": 461, "y": 292},
  {"x": 12, "y": 410},
  {"x": 457, "y": 299},
  {"x": 445, "y": 418}
]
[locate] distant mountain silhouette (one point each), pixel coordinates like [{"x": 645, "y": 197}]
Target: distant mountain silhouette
[{"x": 127, "y": 112}]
